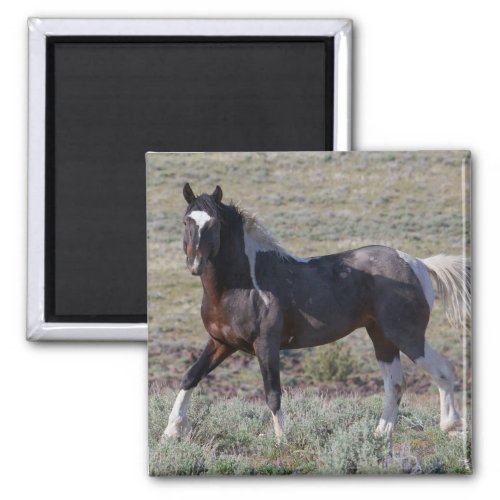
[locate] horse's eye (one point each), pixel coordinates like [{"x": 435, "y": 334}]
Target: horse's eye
[{"x": 184, "y": 222}]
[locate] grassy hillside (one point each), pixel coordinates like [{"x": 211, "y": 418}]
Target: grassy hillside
[{"x": 315, "y": 203}]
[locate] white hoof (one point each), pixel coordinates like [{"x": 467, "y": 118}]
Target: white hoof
[
  {"x": 384, "y": 428},
  {"x": 177, "y": 427}
]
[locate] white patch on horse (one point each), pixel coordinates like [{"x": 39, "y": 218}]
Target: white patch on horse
[
  {"x": 302, "y": 260},
  {"x": 258, "y": 239},
  {"x": 441, "y": 371},
  {"x": 422, "y": 274},
  {"x": 178, "y": 424},
  {"x": 266, "y": 241},
  {"x": 393, "y": 390},
  {"x": 312, "y": 320},
  {"x": 252, "y": 248},
  {"x": 200, "y": 218}
]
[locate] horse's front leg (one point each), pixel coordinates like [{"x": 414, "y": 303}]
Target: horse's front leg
[
  {"x": 268, "y": 354},
  {"x": 211, "y": 357}
]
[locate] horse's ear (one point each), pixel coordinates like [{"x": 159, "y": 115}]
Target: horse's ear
[
  {"x": 188, "y": 193},
  {"x": 217, "y": 194}
]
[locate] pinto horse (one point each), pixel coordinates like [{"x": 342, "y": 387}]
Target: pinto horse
[{"x": 259, "y": 298}]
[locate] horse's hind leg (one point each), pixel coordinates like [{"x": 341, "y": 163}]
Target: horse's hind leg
[
  {"x": 441, "y": 371},
  {"x": 211, "y": 357},
  {"x": 411, "y": 341},
  {"x": 390, "y": 364}
]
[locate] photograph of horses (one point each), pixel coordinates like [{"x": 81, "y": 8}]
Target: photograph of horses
[{"x": 309, "y": 313}]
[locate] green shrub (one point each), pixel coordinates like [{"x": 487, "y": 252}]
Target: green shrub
[
  {"x": 355, "y": 450},
  {"x": 230, "y": 465},
  {"x": 330, "y": 362},
  {"x": 178, "y": 458}
]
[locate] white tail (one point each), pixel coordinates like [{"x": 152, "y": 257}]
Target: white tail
[{"x": 451, "y": 274}]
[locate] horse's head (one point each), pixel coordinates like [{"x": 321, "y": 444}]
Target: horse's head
[{"x": 202, "y": 228}]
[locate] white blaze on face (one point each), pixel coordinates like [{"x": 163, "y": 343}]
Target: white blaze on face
[{"x": 200, "y": 218}]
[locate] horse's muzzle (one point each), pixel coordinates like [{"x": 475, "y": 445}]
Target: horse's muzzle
[
  {"x": 196, "y": 266},
  {"x": 195, "y": 271}
]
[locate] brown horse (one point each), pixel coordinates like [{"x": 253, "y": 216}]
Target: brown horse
[{"x": 259, "y": 298}]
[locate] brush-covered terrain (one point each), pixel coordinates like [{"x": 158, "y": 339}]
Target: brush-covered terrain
[
  {"x": 315, "y": 204},
  {"x": 324, "y": 436}
]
